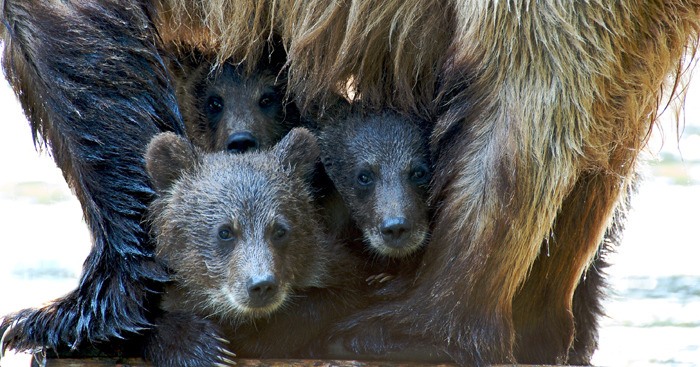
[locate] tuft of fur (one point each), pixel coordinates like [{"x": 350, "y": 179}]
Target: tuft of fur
[
  {"x": 394, "y": 66},
  {"x": 213, "y": 26},
  {"x": 94, "y": 87}
]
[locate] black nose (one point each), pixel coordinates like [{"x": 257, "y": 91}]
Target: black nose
[
  {"x": 395, "y": 230},
  {"x": 261, "y": 290},
  {"x": 241, "y": 142}
]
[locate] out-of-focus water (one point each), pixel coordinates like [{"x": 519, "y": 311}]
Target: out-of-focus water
[
  {"x": 654, "y": 320},
  {"x": 654, "y": 303}
]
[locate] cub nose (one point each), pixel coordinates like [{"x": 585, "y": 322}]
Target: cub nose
[
  {"x": 241, "y": 142},
  {"x": 394, "y": 230},
  {"x": 261, "y": 290}
]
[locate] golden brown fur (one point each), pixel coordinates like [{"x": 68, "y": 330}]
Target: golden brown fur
[
  {"x": 395, "y": 65},
  {"x": 541, "y": 109}
]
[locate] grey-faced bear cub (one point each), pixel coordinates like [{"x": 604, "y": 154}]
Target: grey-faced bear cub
[
  {"x": 251, "y": 262},
  {"x": 228, "y": 107},
  {"x": 380, "y": 167}
]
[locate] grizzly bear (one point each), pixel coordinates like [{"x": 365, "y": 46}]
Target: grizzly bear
[
  {"x": 225, "y": 107},
  {"x": 380, "y": 166},
  {"x": 535, "y": 144},
  {"x": 251, "y": 261}
]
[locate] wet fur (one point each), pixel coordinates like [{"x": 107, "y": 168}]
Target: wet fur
[{"x": 94, "y": 87}]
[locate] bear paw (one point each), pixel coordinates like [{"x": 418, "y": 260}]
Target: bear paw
[{"x": 187, "y": 340}]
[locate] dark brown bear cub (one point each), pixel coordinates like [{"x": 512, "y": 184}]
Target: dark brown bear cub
[
  {"x": 380, "y": 167},
  {"x": 250, "y": 259},
  {"x": 226, "y": 107}
]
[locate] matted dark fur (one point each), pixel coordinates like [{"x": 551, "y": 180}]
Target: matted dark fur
[
  {"x": 95, "y": 90},
  {"x": 542, "y": 109}
]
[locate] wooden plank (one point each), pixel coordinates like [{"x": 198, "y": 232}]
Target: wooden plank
[
  {"x": 327, "y": 363},
  {"x": 136, "y": 362}
]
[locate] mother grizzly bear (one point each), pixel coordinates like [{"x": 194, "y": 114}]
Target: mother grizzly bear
[{"x": 540, "y": 110}]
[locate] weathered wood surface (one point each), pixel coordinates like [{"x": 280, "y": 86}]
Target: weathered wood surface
[
  {"x": 101, "y": 362},
  {"x": 135, "y": 362}
]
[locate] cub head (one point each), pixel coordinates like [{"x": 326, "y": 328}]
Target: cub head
[
  {"x": 380, "y": 166},
  {"x": 227, "y": 107},
  {"x": 239, "y": 232}
]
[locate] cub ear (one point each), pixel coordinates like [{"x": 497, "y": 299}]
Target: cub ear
[
  {"x": 167, "y": 156},
  {"x": 299, "y": 151}
]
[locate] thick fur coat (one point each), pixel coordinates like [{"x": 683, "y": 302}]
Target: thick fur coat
[{"x": 540, "y": 110}]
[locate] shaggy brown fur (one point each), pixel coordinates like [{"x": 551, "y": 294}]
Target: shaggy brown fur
[
  {"x": 542, "y": 110},
  {"x": 394, "y": 66}
]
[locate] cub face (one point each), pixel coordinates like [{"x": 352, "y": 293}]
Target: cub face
[
  {"x": 238, "y": 113},
  {"x": 380, "y": 166},
  {"x": 239, "y": 232},
  {"x": 227, "y": 107}
]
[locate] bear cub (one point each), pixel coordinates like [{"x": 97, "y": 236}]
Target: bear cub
[
  {"x": 380, "y": 167},
  {"x": 227, "y": 107},
  {"x": 250, "y": 260}
]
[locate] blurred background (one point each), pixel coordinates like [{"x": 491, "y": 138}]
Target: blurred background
[{"x": 653, "y": 307}]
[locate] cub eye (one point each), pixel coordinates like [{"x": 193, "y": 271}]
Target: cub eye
[
  {"x": 280, "y": 232},
  {"x": 365, "y": 178},
  {"x": 267, "y": 100},
  {"x": 226, "y": 234},
  {"x": 215, "y": 105},
  {"x": 419, "y": 174}
]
